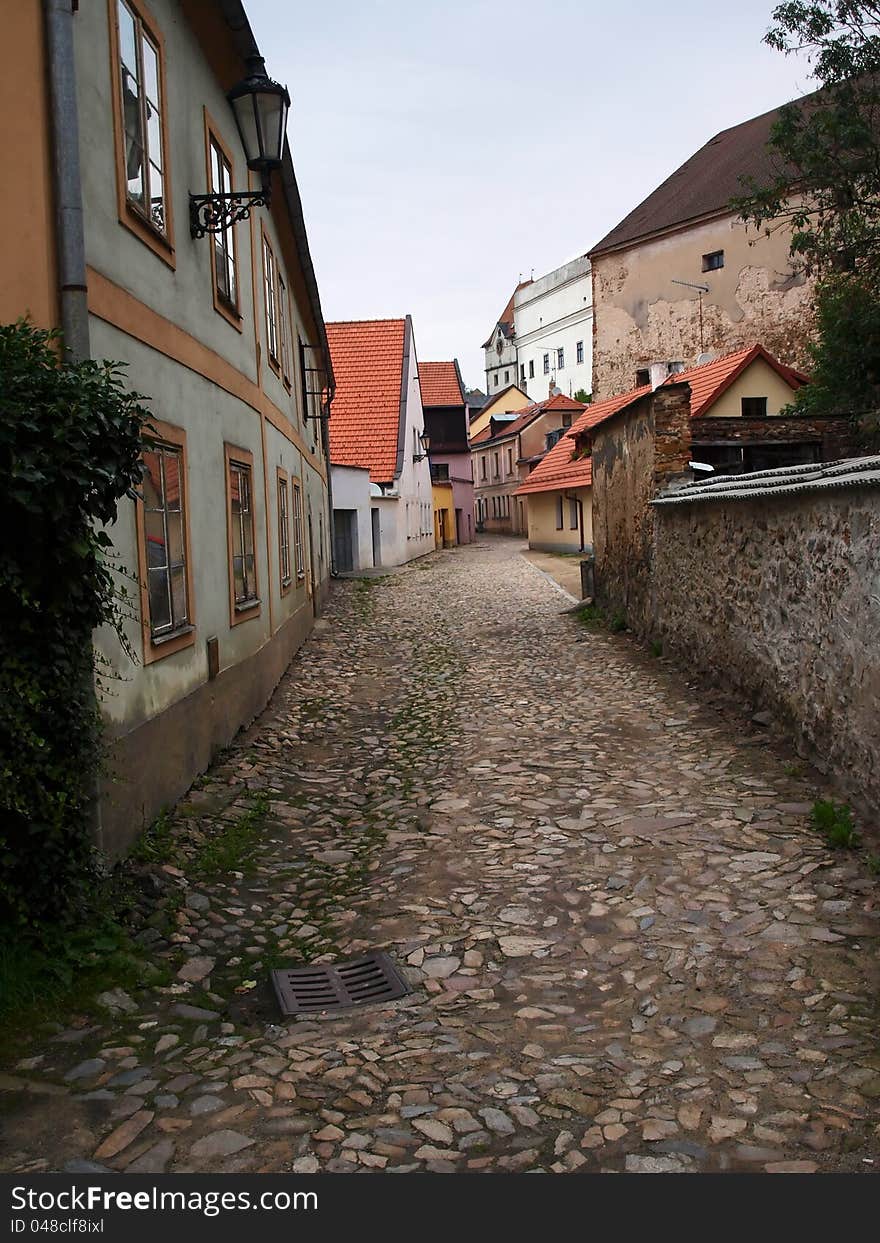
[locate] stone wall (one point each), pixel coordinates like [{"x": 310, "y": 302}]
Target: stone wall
[
  {"x": 634, "y": 454},
  {"x": 778, "y": 598}
]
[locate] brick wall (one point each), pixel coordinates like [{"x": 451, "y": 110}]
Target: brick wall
[{"x": 834, "y": 435}]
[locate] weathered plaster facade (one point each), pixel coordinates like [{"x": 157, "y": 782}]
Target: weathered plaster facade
[
  {"x": 213, "y": 387},
  {"x": 641, "y": 317}
]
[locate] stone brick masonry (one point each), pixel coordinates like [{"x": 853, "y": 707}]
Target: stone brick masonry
[{"x": 779, "y": 597}]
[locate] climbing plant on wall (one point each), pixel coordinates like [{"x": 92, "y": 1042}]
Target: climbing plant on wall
[{"x": 70, "y": 444}]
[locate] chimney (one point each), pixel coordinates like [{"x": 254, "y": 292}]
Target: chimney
[
  {"x": 554, "y": 391},
  {"x": 659, "y": 372}
]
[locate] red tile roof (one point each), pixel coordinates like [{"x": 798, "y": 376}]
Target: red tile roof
[
  {"x": 364, "y": 424},
  {"x": 506, "y": 316},
  {"x": 707, "y": 382},
  {"x": 524, "y": 417},
  {"x": 558, "y": 469},
  {"x": 440, "y": 384},
  {"x": 710, "y": 380}
]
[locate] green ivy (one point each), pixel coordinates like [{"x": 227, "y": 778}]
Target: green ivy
[{"x": 70, "y": 445}]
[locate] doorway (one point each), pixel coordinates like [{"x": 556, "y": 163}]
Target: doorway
[
  {"x": 377, "y": 537},
  {"x": 345, "y": 538}
]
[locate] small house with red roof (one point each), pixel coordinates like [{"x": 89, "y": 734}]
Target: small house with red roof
[
  {"x": 444, "y": 402},
  {"x": 737, "y": 423},
  {"x": 376, "y": 423},
  {"x": 507, "y": 450}
]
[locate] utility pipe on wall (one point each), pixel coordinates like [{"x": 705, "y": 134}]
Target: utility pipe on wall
[{"x": 66, "y": 177}]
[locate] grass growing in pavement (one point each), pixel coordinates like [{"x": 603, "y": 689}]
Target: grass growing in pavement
[
  {"x": 64, "y": 974},
  {"x": 592, "y": 615},
  {"x": 834, "y": 821},
  {"x": 232, "y": 848}
]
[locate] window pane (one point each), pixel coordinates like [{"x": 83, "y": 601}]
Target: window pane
[
  {"x": 250, "y": 576},
  {"x": 154, "y": 136},
  {"x": 178, "y": 595},
  {"x": 248, "y": 525},
  {"x": 238, "y": 578},
  {"x": 154, "y": 525},
  {"x": 127, "y": 50},
  {"x": 171, "y": 463},
  {"x": 235, "y": 489},
  {"x": 151, "y": 482},
  {"x": 157, "y": 198},
  {"x": 151, "y": 72},
  {"x": 176, "y": 554},
  {"x": 160, "y": 613}
]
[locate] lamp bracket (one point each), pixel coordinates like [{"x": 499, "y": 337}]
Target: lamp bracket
[{"x": 212, "y": 213}]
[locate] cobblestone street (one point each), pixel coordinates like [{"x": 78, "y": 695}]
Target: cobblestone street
[{"x": 628, "y": 947}]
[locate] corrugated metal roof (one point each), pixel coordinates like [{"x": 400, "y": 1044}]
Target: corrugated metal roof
[{"x": 847, "y": 473}]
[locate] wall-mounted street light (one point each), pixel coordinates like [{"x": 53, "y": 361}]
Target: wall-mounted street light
[
  {"x": 260, "y": 108},
  {"x": 426, "y": 442}
]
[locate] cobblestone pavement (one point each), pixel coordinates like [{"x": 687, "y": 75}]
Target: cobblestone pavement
[{"x": 628, "y": 948}]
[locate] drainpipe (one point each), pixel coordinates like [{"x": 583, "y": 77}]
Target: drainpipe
[
  {"x": 331, "y": 526},
  {"x": 64, "y": 123},
  {"x": 70, "y": 246}
]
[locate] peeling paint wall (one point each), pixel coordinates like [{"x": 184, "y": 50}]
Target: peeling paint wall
[{"x": 642, "y": 317}]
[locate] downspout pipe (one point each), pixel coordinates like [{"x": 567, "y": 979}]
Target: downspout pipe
[
  {"x": 66, "y": 176},
  {"x": 331, "y": 525}
]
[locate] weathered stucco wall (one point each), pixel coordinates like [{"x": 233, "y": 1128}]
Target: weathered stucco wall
[
  {"x": 779, "y": 597},
  {"x": 642, "y": 317}
]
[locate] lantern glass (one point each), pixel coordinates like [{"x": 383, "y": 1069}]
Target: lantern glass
[{"x": 260, "y": 107}]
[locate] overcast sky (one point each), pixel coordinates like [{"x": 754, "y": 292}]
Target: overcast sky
[{"x": 444, "y": 149}]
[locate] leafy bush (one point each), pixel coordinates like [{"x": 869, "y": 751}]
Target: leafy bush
[{"x": 70, "y": 444}]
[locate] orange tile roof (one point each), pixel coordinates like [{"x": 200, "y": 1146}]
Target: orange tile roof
[
  {"x": 710, "y": 380},
  {"x": 524, "y": 417},
  {"x": 367, "y": 358},
  {"x": 558, "y": 469},
  {"x": 506, "y": 316},
  {"x": 440, "y": 384}
]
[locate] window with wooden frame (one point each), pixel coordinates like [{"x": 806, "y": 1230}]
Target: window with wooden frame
[
  {"x": 224, "y": 252},
  {"x": 270, "y": 294},
  {"x": 559, "y": 509},
  {"x": 283, "y": 330},
  {"x": 164, "y": 563},
  {"x": 573, "y": 514},
  {"x": 139, "y": 112},
  {"x": 299, "y": 559},
  {"x": 283, "y": 531},
  {"x": 244, "y": 600}
]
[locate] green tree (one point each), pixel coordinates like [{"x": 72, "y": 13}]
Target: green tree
[{"x": 825, "y": 188}]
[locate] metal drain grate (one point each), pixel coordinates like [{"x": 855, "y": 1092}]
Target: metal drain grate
[{"x": 306, "y": 990}]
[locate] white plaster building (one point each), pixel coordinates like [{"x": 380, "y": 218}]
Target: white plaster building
[
  {"x": 377, "y": 423},
  {"x": 553, "y": 331}
]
